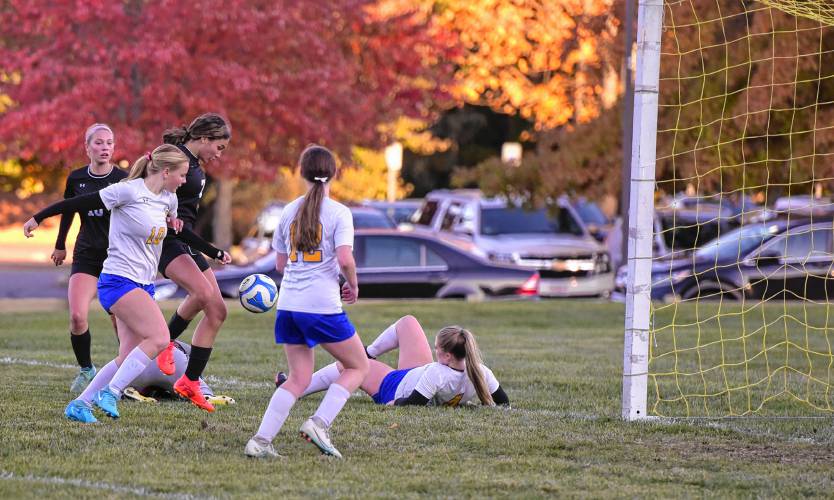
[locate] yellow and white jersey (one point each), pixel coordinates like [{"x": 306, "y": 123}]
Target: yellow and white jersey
[
  {"x": 311, "y": 279},
  {"x": 443, "y": 386},
  {"x": 137, "y": 227}
]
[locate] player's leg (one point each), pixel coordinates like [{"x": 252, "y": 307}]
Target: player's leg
[
  {"x": 329, "y": 374},
  {"x": 414, "y": 347},
  {"x": 176, "y": 263},
  {"x": 300, "y": 360},
  {"x": 80, "y": 292},
  {"x": 351, "y": 354}
]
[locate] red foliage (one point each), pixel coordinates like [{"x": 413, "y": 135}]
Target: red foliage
[{"x": 285, "y": 73}]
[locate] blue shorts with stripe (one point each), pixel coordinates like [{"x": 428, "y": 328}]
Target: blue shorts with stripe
[
  {"x": 388, "y": 387},
  {"x": 112, "y": 287},
  {"x": 292, "y": 327}
]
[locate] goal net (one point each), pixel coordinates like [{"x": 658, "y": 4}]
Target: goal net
[{"x": 741, "y": 269}]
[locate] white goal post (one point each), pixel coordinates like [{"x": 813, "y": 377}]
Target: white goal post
[{"x": 641, "y": 210}]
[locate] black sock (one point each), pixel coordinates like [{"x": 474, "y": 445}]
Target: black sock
[
  {"x": 81, "y": 348},
  {"x": 197, "y": 362},
  {"x": 177, "y": 325}
]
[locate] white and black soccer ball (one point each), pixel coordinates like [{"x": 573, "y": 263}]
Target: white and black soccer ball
[{"x": 258, "y": 293}]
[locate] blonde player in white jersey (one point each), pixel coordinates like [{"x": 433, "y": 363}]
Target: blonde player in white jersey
[
  {"x": 457, "y": 377},
  {"x": 314, "y": 241},
  {"x": 142, "y": 206}
]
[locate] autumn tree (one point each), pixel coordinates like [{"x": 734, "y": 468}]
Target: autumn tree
[{"x": 285, "y": 73}]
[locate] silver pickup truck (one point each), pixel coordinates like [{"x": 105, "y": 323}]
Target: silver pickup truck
[{"x": 571, "y": 263}]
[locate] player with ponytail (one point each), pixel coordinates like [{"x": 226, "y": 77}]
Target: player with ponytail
[
  {"x": 314, "y": 241},
  {"x": 457, "y": 377}
]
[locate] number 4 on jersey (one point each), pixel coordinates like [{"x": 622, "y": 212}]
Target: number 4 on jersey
[{"x": 312, "y": 256}]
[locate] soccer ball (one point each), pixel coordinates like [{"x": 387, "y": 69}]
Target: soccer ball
[{"x": 258, "y": 293}]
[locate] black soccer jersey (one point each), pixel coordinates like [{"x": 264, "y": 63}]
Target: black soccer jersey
[
  {"x": 95, "y": 224},
  {"x": 190, "y": 193}
]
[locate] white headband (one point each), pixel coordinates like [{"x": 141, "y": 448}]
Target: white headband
[{"x": 321, "y": 179}]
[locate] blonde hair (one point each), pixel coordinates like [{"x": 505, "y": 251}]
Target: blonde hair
[
  {"x": 164, "y": 156},
  {"x": 92, "y": 129},
  {"x": 318, "y": 166},
  {"x": 461, "y": 344}
]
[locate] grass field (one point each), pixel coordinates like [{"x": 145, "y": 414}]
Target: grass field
[{"x": 559, "y": 361}]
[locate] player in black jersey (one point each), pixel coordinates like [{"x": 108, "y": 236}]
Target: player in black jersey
[
  {"x": 90, "y": 246},
  {"x": 202, "y": 141}
]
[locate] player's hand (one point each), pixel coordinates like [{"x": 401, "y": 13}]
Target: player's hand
[
  {"x": 58, "y": 256},
  {"x": 29, "y": 226},
  {"x": 175, "y": 224},
  {"x": 349, "y": 295},
  {"x": 225, "y": 259}
]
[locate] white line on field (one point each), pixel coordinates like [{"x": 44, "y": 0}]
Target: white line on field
[
  {"x": 95, "y": 485},
  {"x": 221, "y": 381}
]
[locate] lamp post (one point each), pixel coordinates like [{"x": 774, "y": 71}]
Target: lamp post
[
  {"x": 394, "y": 162},
  {"x": 511, "y": 153}
]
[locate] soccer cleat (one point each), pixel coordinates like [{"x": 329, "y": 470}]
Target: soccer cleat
[
  {"x": 257, "y": 450},
  {"x": 80, "y": 411},
  {"x": 132, "y": 393},
  {"x": 219, "y": 400},
  {"x": 190, "y": 389},
  {"x": 106, "y": 400},
  {"x": 280, "y": 378},
  {"x": 319, "y": 436},
  {"x": 85, "y": 375},
  {"x": 165, "y": 360}
]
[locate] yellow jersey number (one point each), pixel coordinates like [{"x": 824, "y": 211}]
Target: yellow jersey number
[
  {"x": 312, "y": 256},
  {"x": 157, "y": 233}
]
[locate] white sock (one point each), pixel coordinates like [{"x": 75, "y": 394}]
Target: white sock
[
  {"x": 387, "y": 341},
  {"x": 275, "y": 415},
  {"x": 332, "y": 404},
  {"x": 133, "y": 365},
  {"x": 322, "y": 379},
  {"x": 101, "y": 379}
]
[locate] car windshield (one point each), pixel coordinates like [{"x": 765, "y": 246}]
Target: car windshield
[
  {"x": 371, "y": 220},
  {"x": 736, "y": 243},
  {"x": 590, "y": 213},
  {"x": 511, "y": 220}
]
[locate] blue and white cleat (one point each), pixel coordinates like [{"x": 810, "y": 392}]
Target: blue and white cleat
[
  {"x": 84, "y": 377},
  {"x": 106, "y": 400},
  {"x": 80, "y": 411},
  {"x": 315, "y": 433}
]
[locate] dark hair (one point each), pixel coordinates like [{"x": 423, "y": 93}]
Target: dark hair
[
  {"x": 461, "y": 344},
  {"x": 209, "y": 125},
  {"x": 318, "y": 166}
]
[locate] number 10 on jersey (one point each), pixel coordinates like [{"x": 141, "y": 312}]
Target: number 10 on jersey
[{"x": 312, "y": 256}]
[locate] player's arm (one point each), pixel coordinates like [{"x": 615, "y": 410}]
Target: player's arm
[
  {"x": 413, "y": 399},
  {"x": 500, "y": 397},
  {"x": 194, "y": 241},
  {"x": 281, "y": 261},
  {"x": 90, "y": 201},
  {"x": 64, "y": 226},
  {"x": 347, "y": 264}
]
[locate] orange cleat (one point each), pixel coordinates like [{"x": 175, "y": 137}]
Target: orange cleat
[
  {"x": 190, "y": 389},
  {"x": 165, "y": 360}
]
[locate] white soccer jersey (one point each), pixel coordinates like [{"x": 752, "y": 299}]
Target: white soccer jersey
[
  {"x": 443, "y": 386},
  {"x": 311, "y": 279},
  {"x": 137, "y": 228}
]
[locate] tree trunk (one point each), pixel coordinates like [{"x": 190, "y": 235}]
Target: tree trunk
[{"x": 222, "y": 221}]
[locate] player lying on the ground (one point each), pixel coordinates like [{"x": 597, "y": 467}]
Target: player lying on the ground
[
  {"x": 152, "y": 384},
  {"x": 457, "y": 377}
]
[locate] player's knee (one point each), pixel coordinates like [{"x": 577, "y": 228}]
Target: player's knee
[
  {"x": 216, "y": 309},
  {"x": 361, "y": 365},
  {"x": 408, "y": 322},
  {"x": 78, "y": 322},
  {"x": 203, "y": 295}
]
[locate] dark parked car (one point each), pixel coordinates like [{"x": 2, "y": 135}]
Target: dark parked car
[
  {"x": 789, "y": 259},
  {"x": 370, "y": 218},
  {"x": 396, "y": 264}
]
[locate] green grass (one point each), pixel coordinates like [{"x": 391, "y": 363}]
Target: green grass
[{"x": 559, "y": 361}]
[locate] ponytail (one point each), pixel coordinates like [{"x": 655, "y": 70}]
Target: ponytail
[
  {"x": 164, "y": 156},
  {"x": 460, "y": 343},
  {"x": 318, "y": 166},
  {"x": 175, "y": 136},
  {"x": 212, "y": 126}
]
